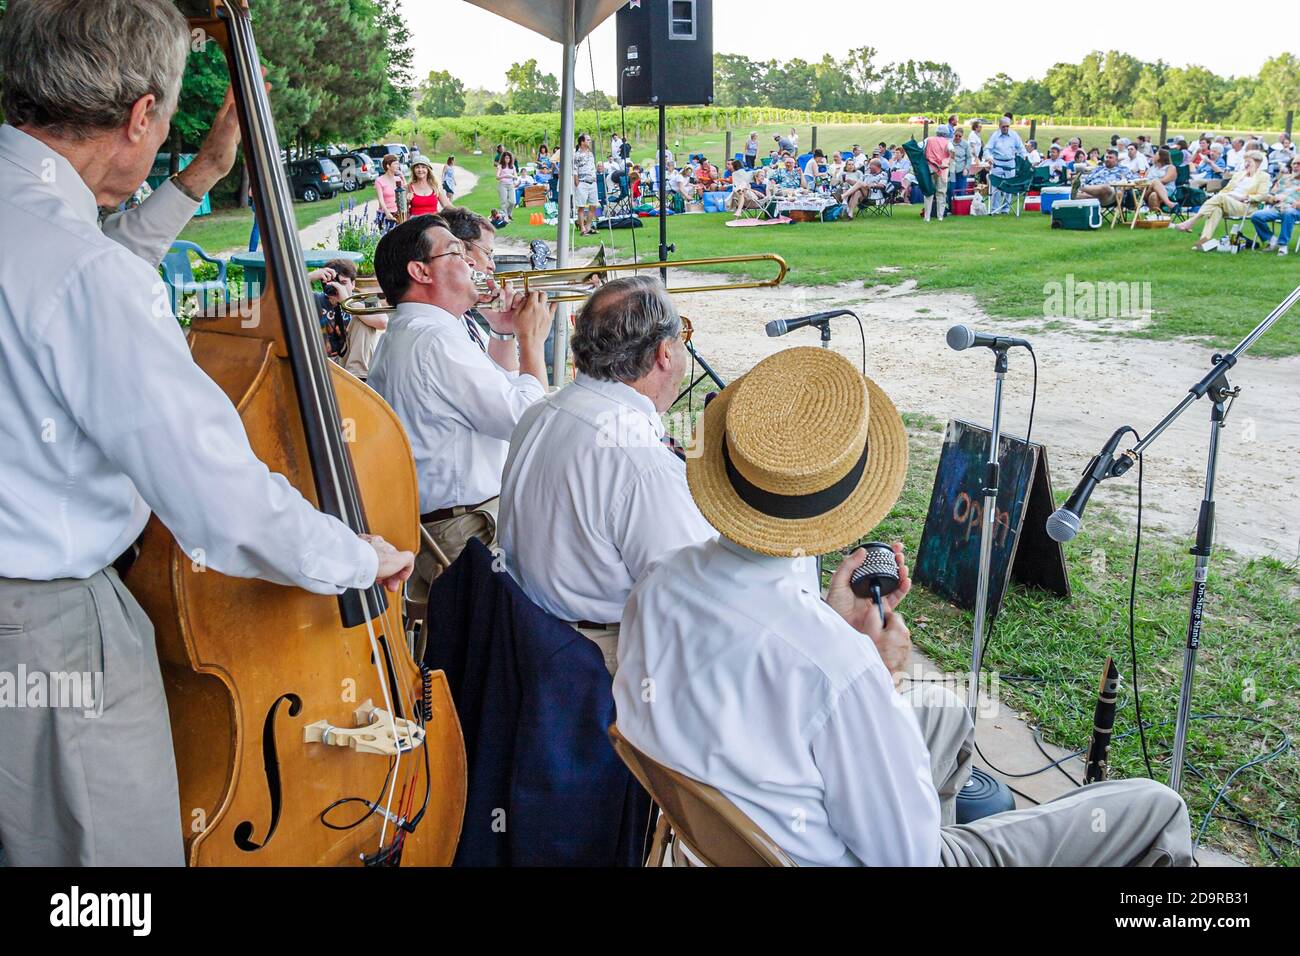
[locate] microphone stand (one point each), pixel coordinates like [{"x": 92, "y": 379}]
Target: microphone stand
[
  {"x": 991, "y": 476},
  {"x": 1215, "y": 384}
]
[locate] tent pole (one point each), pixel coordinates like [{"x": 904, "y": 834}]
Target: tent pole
[{"x": 560, "y": 352}]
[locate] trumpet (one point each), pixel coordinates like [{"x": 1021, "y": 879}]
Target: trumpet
[{"x": 576, "y": 283}]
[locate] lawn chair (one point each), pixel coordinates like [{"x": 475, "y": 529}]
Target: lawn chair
[
  {"x": 696, "y": 816},
  {"x": 1042, "y": 177},
  {"x": 920, "y": 169},
  {"x": 1016, "y": 186},
  {"x": 884, "y": 206},
  {"x": 178, "y": 274}
]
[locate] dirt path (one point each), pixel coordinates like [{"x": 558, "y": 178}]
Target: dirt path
[{"x": 1088, "y": 386}]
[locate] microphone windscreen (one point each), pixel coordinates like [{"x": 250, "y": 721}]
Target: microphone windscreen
[
  {"x": 1063, "y": 525},
  {"x": 961, "y": 337},
  {"x": 776, "y": 327}
]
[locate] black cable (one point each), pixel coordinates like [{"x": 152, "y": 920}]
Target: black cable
[{"x": 1132, "y": 615}]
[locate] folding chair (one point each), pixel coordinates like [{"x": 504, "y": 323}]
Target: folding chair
[
  {"x": 697, "y": 816},
  {"x": 920, "y": 169},
  {"x": 1016, "y": 186}
]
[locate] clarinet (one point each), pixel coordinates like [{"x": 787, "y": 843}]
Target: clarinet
[{"x": 1103, "y": 722}]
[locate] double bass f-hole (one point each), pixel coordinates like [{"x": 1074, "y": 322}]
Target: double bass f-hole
[{"x": 271, "y": 764}]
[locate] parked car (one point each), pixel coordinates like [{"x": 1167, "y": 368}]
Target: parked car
[
  {"x": 357, "y": 168},
  {"x": 377, "y": 152},
  {"x": 312, "y": 179}
]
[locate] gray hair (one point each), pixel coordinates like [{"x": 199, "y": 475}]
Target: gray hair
[
  {"x": 619, "y": 329},
  {"x": 75, "y": 67}
]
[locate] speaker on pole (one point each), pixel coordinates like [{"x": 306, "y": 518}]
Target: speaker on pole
[{"x": 665, "y": 53}]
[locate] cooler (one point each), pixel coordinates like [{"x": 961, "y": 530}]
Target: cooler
[
  {"x": 1076, "y": 214},
  {"x": 716, "y": 201},
  {"x": 1033, "y": 201},
  {"x": 1051, "y": 195},
  {"x": 961, "y": 204}
]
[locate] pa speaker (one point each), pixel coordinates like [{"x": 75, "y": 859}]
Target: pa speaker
[{"x": 665, "y": 53}]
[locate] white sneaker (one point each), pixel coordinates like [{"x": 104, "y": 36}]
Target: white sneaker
[
  {"x": 1282, "y": 251},
  {"x": 1272, "y": 244}
]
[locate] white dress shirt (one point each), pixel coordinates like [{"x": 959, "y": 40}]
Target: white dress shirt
[
  {"x": 590, "y": 497},
  {"x": 107, "y": 416},
  {"x": 734, "y": 671},
  {"x": 150, "y": 228},
  {"x": 458, "y": 406},
  {"x": 1136, "y": 165}
]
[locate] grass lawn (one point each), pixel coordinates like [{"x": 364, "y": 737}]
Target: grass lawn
[
  {"x": 229, "y": 228},
  {"x": 1008, "y": 264},
  {"x": 1048, "y": 653}
]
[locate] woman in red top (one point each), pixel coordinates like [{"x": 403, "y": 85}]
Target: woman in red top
[{"x": 426, "y": 193}]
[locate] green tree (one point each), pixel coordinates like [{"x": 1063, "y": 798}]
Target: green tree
[
  {"x": 477, "y": 100},
  {"x": 593, "y": 100},
  {"x": 1274, "y": 92},
  {"x": 735, "y": 80},
  {"x": 441, "y": 94},
  {"x": 529, "y": 90}
]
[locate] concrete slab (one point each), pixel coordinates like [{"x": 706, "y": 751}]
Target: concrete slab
[{"x": 1007, "y": 747}]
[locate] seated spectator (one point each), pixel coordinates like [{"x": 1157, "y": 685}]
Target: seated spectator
[
  {"x": 816, "y": 168},
  {"x": 1055, "y": 163},
  {"x": 706, "y": 176},
  {"x": 1162, "y": 175},
  {"x": 758, "y": 182},
  {"x": 1280, "y": 156},
  {"x": 1210, "y": 169},
  {"x": 1134, "y": 162},
  {"x": 1072, "y": 150},
  {"x": 1097, "y": 184},
  {"x": 498, "y": 219},
  {"x": 1094, "y": 156},
  {"x": 679, "y": 183},
  {"x": 1035, "y": 157},
  {"x": 1236, "y": 157},
  {"x": 836, "y": 166},
  {"x": 1202, "y": 151},
  {"x": 1282, "y": 204},
  {"x": 1145, "y": 147},
  {"x": 742, "y": 195},
  {"x": 788, "y": 179},
  {"x": 886, "y": 153},
  {"x": 1248, "y": 186}
]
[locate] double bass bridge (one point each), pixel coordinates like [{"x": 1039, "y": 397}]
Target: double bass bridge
[{"x": 376, "y": 732}]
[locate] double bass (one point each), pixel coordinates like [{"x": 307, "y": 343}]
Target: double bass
[{"x": 305, "y": 732}]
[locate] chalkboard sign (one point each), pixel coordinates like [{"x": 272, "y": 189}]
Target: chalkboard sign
[{"x": 948, "y": 560}]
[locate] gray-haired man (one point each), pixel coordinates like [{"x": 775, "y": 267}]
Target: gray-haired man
[
  {"x": 590, "y": 495},
  {"x": 107, "y": 418}
]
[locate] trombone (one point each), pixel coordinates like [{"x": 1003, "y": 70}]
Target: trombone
[{"x": 576, "y": 283}]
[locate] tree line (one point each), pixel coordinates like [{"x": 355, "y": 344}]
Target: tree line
[{"x": 1101, "y": 84}]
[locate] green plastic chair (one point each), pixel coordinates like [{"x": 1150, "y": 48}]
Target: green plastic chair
[{"x": 178, "y": 274}]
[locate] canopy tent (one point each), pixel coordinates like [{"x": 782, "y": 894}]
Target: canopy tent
[{"x": 567, "y": 22}]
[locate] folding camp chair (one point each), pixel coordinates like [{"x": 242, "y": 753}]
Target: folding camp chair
[
  {"x": 920, "y": 169},
  {"x": 1016, "y": 186}
]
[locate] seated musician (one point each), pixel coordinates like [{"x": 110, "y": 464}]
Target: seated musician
[
  {"x": 458, "y": 392},
  {"x": 590, "y": 495},
  {"x": 110, "y": 419},
  {"x": 735, "y": 671}
]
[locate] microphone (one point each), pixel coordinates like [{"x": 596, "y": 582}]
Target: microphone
[
  {"x": 877, "y": 576},
  {"x": 782, "y": 326},
  {"x": 1066, "y": 520},
  {"x": 962, "y": 337}
]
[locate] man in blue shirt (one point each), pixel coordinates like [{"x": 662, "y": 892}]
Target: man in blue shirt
[
  {"x": 1097, "y": 184},
  {"x": 1002, "y": 149}
]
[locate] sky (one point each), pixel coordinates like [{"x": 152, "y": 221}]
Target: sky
[{"x": 477, "y": 46}]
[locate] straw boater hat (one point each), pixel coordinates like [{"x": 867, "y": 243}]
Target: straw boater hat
[{"x": 802, "y": 455}]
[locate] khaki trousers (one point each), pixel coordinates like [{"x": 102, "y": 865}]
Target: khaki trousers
[
  {"x": 1218, "y": 206},
  {"x": 87, "y": 773},
  {"x": 606, "y": 639},
  {"x": 449, "y": 537},
  {"x": 1114, "y": 823}
]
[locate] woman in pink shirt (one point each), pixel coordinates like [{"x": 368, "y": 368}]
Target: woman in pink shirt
[
  {"x": 938, "y": 154},
  {"x": 386, "y": 189}
]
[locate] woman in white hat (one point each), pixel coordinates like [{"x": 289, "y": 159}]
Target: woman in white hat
[
  {"x": 427, "y": 196},
  {"x": 735, "y": 671}
]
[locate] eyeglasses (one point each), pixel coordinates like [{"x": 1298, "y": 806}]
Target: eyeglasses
[
  {"x": 481, "y": 248},
  {"x": 687, "y": 330},
  {"x": 454, "y": 250}
]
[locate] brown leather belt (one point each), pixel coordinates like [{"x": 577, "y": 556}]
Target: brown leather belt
[{"x": 442, "y": 514}]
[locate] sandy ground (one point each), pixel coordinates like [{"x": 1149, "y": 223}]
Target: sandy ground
[{"x": 1089, "y": 384}]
